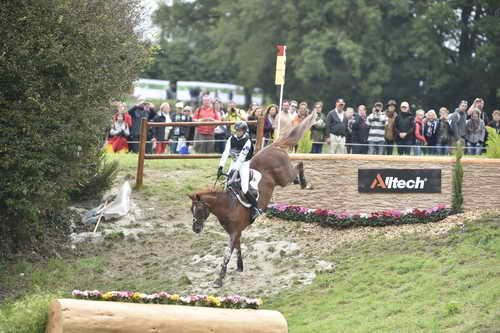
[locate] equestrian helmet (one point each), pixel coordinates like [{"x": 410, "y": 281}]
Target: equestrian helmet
[{"x": 240, "y": 126}]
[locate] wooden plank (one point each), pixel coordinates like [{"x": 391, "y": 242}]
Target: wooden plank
[
  {"x": 181, "y": 156},
  {"x": 394, "y": 158},
  {"x": 142, "y": 152},
  {"x": 200, "y": 123},
  {"x": 259, "y": 140},
  {"x": 82, "y": 316}
]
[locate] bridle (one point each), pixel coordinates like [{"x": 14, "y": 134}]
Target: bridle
[{"x": 196, "y": 203}]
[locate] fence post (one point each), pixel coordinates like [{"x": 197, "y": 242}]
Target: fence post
[
  {"x": 259, "y": 140},
  {"x": 142, "y": 151}
]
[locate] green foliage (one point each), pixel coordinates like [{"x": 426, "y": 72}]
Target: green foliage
[
  {"x": 457, "y": 199},
  {"x": 101, "y": 176},
  {"x": 305, "y": 144},
  {"x": 493, "y": 143},
  {"x": 62, "y": 61},
  {"x": 410, "y": 283},
  {"x": 429, "y": 52}
]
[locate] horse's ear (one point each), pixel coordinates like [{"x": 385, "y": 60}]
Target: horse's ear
[{"x": 191, "y": 197}]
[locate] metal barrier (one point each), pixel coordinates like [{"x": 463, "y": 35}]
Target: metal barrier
[{"x": 143, "y": 139}]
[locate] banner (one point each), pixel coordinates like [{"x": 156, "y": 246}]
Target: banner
[
  {"x": 399, "y": 180},
  {"x": 280, "y": 65}
]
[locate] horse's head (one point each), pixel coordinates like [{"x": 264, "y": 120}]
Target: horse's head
[{"x": 200, "y": 212}]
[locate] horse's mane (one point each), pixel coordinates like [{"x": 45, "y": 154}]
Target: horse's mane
[
  {"x": 293, "y": 136},
  {"x": 207, "y": 190}
]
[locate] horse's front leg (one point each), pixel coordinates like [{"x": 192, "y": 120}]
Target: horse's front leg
[
  {"x": 237, "y": 245},
  {"x": 227, "y": 257}
]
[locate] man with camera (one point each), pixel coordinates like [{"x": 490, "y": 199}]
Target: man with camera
[{"x": 142, "y": 109}]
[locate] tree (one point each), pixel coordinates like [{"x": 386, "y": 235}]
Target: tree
[
  {"x": 430, "y": 52},
  {"x": 62, "y": 61}
]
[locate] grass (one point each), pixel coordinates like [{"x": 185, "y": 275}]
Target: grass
[
  {"x": 449, "y": 283},
  {"x": 445, "y": 283}
]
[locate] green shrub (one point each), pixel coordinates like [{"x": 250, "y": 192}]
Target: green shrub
[
  {"x": 493, "y": 143},
  {"x": 305, "y": 144},
  {"x": 62, "y": 61}
]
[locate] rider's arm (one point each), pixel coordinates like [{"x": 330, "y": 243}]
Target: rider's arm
[
  {"x": 225, "y": 154},
  {"x": 242, "y": 156}
]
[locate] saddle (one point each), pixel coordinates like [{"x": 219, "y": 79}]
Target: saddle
[{"x": 253, "y": 188}]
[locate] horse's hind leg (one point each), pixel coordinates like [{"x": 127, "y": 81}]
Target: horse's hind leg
[
  {"x": 300, "y": 178},
  {"x": 227, "y": 257}
]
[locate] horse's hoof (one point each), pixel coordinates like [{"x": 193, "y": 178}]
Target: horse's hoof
[{"x": 218, "y": 283}]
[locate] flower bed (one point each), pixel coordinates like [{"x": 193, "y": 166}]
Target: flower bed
[
  {"x": 229, "y": 302},
  {"x": 333, "y": 219}
]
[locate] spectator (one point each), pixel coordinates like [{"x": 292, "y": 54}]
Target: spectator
[
  {"x": 140, "y": 110},
  {"x": 404, "y": 127},
  {"x": 180, "y": 134},
  {"x": 495, "y": 123},
  {"x": 190, "y": 130},
  {"x": 457, "y": 122},
  {"x": 221, "y": 131},
  {"x": 337, "y": 128},
  {"x": 478, "y": 104},
  {"x": 431, "y": 128},
  {"x": 318, "y": 129},
  {"x": 360, "y": 130},
  {"x": 293, "y": 107},
  {"x": 443, "y": 132},
  {"x": 389, "y": 134},
  {"x": 349, "y": 113},
  {"x": 270, "y": 114},
  {"x": 121, "y": 108},
  {"x": 474, "y": 133},
  {"x": 234, "y": 114},
  {"x": 119, "y": 132},
  {"x": 285, "y": 118},
  {"x": 376, "y": 120},
  {"x": 268, "y": 125},
  {"x": 302, "y": 113},
  {"x": 161, "y": 134},
  {"x": 179, "y": 107},
  {"x": 420, "y": 139},
  {"x": 204, "y": 135}
]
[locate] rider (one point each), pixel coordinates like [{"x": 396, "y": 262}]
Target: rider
[{"x": 240, "y": 147}]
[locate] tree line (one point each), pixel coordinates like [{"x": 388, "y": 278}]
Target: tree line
[{"x": 429, "y": 52}]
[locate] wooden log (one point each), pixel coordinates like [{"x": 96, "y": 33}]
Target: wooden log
[{"x": 82, "y": 316}]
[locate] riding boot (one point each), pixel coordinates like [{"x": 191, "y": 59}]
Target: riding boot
[{"x": 255, "y": 211}]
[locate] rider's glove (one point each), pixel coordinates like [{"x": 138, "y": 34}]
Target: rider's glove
[{"x": 219, "y": 172}]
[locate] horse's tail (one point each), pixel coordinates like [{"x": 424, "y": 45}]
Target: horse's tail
[{"x": 293, "y": 136}]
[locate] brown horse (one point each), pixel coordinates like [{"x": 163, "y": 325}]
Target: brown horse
[{"x": 276, "y": 168}]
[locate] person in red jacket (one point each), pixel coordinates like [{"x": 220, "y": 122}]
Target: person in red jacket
[
  {"x": 420, "y": 139},
  {"x": 204, "y": 135}
]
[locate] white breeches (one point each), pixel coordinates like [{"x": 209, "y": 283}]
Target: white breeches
[{"x": 244, "y": 175}]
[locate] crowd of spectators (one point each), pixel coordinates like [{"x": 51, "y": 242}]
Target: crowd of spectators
[{"x": 338, "y": 131}]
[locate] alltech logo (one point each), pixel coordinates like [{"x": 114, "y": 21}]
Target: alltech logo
[{"x": 399, "y": 180}]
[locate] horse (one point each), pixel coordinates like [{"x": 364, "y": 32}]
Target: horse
[{"x": 276, "y": 168}]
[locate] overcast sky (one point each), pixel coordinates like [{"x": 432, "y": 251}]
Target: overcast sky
[{"x": 149, "y": 7}]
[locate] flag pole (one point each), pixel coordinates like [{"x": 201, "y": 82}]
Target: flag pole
[{"x": 280, "y": 80}]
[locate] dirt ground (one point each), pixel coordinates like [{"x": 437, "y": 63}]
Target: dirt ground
[{"x": 277, "y": 254}]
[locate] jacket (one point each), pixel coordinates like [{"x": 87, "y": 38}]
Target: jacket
[
  {"x": 474, "y": 130},
  {"x": 457, "y": 122},
  {"x": 360, "y": 129},
  {"x": 419, "y": 131},
  {"x": 404, "y": 123},
  {"x": 319, "y": 130},
  {"x": 335, "y": 125}
]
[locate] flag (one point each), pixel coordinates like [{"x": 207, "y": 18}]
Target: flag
[{"x": 280, "y": 65}]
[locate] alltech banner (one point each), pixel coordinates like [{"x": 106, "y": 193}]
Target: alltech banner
[{"x": 399, "y": 180}]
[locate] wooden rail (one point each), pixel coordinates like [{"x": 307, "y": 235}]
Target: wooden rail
[{"x": 143, "y": 138}]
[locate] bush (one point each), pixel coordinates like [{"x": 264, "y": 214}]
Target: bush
[
  {"x": 62, "y": 61},
  {"x": 493, "y": 143},
  {"x": 305, "y": 144}
]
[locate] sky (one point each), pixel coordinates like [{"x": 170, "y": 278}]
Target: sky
[{"x": 149, "y": 7}]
